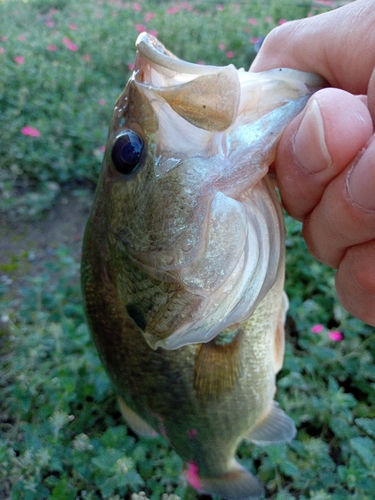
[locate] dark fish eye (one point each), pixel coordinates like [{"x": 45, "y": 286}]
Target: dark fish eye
[{"x": 127, "y": 151}]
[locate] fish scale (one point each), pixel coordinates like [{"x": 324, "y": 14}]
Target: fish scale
[{"x": 183, "y": 259}]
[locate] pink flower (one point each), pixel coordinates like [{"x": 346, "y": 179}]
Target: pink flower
[
  {"x": 268, "y": 19},
  {"x": 149, "y": 16},
  {"x": 192, "y": 433},
  {"x": 102, "y": 149},
  {"x": 2, "y": 50},
  {"x": 173, "y": 10},
  {"x": 219, "y": 7},
  {"x": 230, "y": 54},
  {"x": 102, "y": 102},
  {"x": 153, "y": 32},
  {"x": 252, "y": 21},
  {"x": 53, "y": 11},
  {"x": 22, "y": 38},
  {"x": 137, "y": 7},
  {"x": 86, "y": 57},
  {"x": 4, "y": 38},
  {"x": 282, "y": 21},
  {"x": 131, "y": 66},
  {"x": 326, "y": 3},
  {"x": 254, "y": 39},
  {"x": 317, "y": 328},
  {"x": 31, "y": 131},
  {"x": 140, "y": 27},
  {"x": 69, "y": 44},
  {"x": 50, "y": 24},
  {"x": 52, "y": 48},
  {"x": 336, "y": 336},
  {"x": 73, "y": 26},
  {"x": 19, "y": 59},
  {"x": 191, "y": 475},
  {"x": 222, "y": 46}
]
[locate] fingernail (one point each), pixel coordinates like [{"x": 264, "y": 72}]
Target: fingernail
[
  {"x": 309, "y": 142},
  {"x": 361, "y": 180}
]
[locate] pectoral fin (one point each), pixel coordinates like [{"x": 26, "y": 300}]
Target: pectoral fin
[
  {"x": 135, "y": 422},
  {"x": 275, "y": 427}
]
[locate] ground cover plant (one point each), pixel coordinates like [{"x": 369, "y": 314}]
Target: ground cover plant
[{"x": 63, "y": 63}]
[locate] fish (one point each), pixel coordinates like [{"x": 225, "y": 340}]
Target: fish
[{"x": 183, "y": 259}]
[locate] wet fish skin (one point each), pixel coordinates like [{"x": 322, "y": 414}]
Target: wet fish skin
[{"x": 191, "y": 345}]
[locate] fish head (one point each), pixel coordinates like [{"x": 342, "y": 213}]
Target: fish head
[{"x": 193, "y": 225}]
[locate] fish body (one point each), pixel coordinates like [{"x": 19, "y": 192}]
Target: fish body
[{"x": 183, "y": 263}]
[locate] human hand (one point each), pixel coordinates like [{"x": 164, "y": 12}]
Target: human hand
[{"x": 325, "y": 162}]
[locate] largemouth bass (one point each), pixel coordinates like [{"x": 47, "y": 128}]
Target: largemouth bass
[{"x": 183, "y": 259}]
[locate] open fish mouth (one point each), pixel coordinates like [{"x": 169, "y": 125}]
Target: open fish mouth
[{"x": 217, "y": 132}]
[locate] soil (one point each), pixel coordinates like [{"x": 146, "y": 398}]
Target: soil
[{"x": 35, "y": 241}]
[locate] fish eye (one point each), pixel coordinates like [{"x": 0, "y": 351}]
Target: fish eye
[{"x": 127, "y": 151}]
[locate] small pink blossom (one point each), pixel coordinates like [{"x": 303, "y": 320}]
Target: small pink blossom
[
  {"x": 254, "y": 39},
  {"x": 50, "y": 24},
  {"x": 51, "y": 48},
  {"x": 69, "y": 44},
  {"x": 131, "y": 66},
  {"x": 219, "y": 7},
  {"x": 149, "y": 16},
  {"x": 192, "y": 433},
  {"x": 326, "y": 3},
  {"x": 73, "y": 26},
  {"x": 140, "y": 27},
  {"x": 2, "y": 50},
  {"x": 86, "y": 57},
  {"x": 53, "y": 11},
  {"x": 282, "y": 21},
  {"x": 253, "y": 21},
  {"x": 222, "y": 46},
  {"x": 19, "y": 59},
  {"x": 336, "y": 336},
  {"x": 102, "y": 149},
  {"x": 102, "y": 102},
  {"x": 192, "y": 477},
  {"x": 22, "y": 38},
  {"x": 4, "y": 38},
  {"x": 31, "y": 131},
  {"x": 317, "y": 328},
  {"x": 268, "y": 19},
  {"x": 153, "y": 32},
  {"x": 137, "y": 7},
  {"x": 173, "y": 10},
  {"x": 230, "y": 54}
]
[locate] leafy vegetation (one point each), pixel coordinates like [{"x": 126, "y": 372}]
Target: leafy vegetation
[{"x": 62, "y": 436}]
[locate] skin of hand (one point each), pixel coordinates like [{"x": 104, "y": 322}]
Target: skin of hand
[{"x": 325, "y": 162}]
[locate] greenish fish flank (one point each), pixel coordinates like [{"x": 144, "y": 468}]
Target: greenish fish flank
[{"x": 183, "y": 259}]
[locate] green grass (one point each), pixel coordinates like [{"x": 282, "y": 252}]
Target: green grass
[{"x": 61, "y": 433}]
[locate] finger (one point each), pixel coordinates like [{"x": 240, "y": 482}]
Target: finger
[
  {"x": 335, "y": 45},
  {"x": 345, "y": 215},
  {"x": 355, "y": 282},
  {"x": 317, "y": 146}
]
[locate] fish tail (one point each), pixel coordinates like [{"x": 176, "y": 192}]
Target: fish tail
[{"x": 237, "y": 484}]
